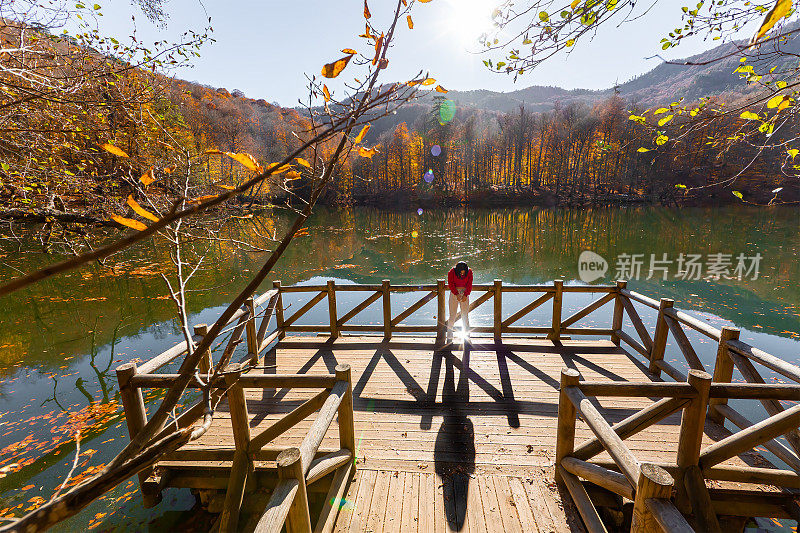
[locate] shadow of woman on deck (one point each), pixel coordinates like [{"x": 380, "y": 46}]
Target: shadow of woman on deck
[{"x": 454, "y": 451}]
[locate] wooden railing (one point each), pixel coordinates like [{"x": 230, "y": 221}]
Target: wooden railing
[
  {"x": 335, "y": 399},
  {"x": 650, "y": 485},
  {"x": 297, "y": 467},
  {"x": 730, "y": 353},
  {"x": 132, "y": 377},
  {"x": 394, "y": 323}
]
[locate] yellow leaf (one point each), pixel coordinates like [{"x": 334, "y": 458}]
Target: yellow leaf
[
  {"x": 247, "y": 160},
  {"x": 224, "y": 186},
  {"x": 784, "y": 104},
  {"x": 423, "y": 1},
  {"x": 147, "y": 177},
  {"x": 302, "y": 232},
  {"x": 348, "y": 51},
  {"x": 574, "y": 4},
  {"x": 778, "y": 11},
  {"x": 366, "y": 34},
  {"x": 331, "y": 70},
  {"x": 303, "y": 162},
  {"x": 410, "y": 22},
  {"x": 278, "y": 170},
  {"x": 139, "y": 210},
  {"x": 775, "y": 101},
  {"x": 367, "y": 14},
  {"x": 440, "y": 89},
  {"x": 378, "y": 45},
  {"x": 135, "y": 224},
  {"x": 367, "y": 152},
  {"x": 428, "y": 81},
  {"x": 292, "y": 175},
  {"x": 413, "y": 82},
  {"x": 170, "y": 169},
  {"x": 326, "y": 93},
  {"x": 361, "y": 134},
  {"x": 201, "y": 199},
  {"x": 212, "y": 151},
  {"x": 110, "y": 148}
]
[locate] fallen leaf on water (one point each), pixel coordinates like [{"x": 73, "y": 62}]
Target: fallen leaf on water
[{"x": 135, "y": 224}]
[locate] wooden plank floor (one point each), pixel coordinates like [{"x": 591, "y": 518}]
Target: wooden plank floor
[
  {"x": 395, "y": 501},
  {"x": 468, "y": 435}
]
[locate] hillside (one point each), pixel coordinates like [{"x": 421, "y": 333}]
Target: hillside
[{"x": 663, "y": 84}]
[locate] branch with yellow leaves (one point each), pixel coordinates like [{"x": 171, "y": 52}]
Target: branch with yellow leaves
[{"x": 142, "y": 450}]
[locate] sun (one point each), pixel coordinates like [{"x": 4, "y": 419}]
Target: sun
[{"x": 467, "y": 20}]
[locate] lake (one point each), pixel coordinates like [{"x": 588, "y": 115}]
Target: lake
[{"x": 61, "y": 339}]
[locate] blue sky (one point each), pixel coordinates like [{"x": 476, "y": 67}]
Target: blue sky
[{"x": 264, "y": 47}]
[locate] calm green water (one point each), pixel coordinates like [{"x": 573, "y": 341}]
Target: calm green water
[{"x": 61, "y": 340}]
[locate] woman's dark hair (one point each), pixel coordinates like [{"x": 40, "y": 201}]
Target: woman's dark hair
[{"x": 461, "y": 269}]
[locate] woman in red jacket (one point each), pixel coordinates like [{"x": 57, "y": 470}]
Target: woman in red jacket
[{"x": 459, "y": 280}]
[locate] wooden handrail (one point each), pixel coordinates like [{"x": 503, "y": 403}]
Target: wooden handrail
[
  {"x": 751, "y": 437},
  {"x": 613, "y": 444},
  {"x": 693, "y": 465},
  {"x": 633, "y": 424},
  {"x": 669, "y": 519},
  {"x": 248, "y": 381},
  {"x": 320, "y": 426},
  {"x": 286, "y": 422},
  {"x": 602, "y": 477},
  {"x": 778, "y": 449},
  {"x": 697, "y": 325},
  {"x": 768, "y": 360}
]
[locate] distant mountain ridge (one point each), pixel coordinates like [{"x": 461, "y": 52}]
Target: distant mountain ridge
[{"x": 665, "y": 83}]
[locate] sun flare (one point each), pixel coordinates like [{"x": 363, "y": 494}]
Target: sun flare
[{"x": 467, "y": 20}]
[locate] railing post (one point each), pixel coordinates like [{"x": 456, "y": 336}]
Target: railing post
[
  {"x": 555, "y": 334},
  {"x": 242, "y": 465},
  {"x": 654, "y": 482},
  {"x": 290, "y": 466},
  {"x": 387, "y": 310},
  {"x": 347, "y": 431},
  {"x": 498, "y": 310},
  {"x": 660, "y": 337},
  {"x": 616, "y": 322},
  {"x": 723, "y": 370},
  {"x": 204, "y": 365},
  {"x": 279, "y": 309},
  {"x": 690, "y": 439},
  {"x": 250, "y": 330},
  {"x": 332, "y": 308},
  {"x": 441, "y": 320},
  {"x": 136, "y": 418},
  {"x": 565, "y": 434}
]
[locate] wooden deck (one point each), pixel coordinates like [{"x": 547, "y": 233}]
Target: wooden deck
[
  {"x": 391, "y": 500},
  {"x": 458, "y": 440}
]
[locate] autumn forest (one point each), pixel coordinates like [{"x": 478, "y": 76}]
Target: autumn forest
[{"x": 433, "y": 151}]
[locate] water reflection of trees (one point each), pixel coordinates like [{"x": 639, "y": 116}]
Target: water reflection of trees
[{"x": 366, "y": 245}]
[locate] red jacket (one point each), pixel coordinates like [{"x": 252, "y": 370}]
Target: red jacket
[{"x": 454, "y": 282}]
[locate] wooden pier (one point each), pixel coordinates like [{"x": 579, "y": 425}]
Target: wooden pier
[{"x": 553, "y": 427}]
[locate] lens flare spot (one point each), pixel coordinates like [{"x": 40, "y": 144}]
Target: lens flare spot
[
  {"x": 419, "y": 211},
  {"x": 447, "y": 111},
  {"x": 428, "y": 176},
  {"x": 436, "y": 150},
  {"x": 342, "y": 503},
  {"x": 414, "y": 234}
]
